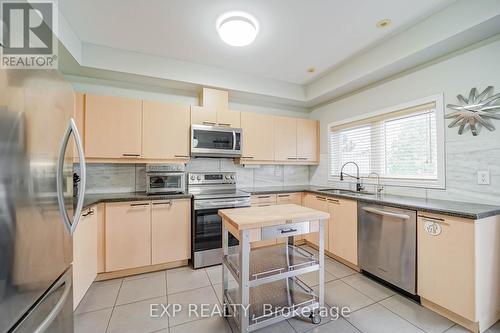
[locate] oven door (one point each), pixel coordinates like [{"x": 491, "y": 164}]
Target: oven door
[
  {"x": 215, "y": 141},
  {"x": 207, "y": 230},
  {"x": 166, "y": 182}
]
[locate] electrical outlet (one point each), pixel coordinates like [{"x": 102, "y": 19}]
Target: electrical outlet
[{"x": 483, "y": 177}]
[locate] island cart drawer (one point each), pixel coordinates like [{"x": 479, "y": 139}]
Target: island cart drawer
[{"x": 289, "y": 229}]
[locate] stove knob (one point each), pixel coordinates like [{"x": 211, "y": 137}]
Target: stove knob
[
  {"x": 227, "y": 176},
  {"x": 232, "y": 177},
  {"x": 198, "y": 177},
  {"x": 192, "y": 177}
]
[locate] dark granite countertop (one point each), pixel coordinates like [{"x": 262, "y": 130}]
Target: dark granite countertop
[
  {"x": 446, "y": 207},
  {"x": 92, "y": 199}
]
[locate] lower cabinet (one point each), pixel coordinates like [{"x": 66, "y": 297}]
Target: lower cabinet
[
  {"x": 343, "y": 229},
  {"x": 128, "y": 235},
  {"x": 84, "y": 254},
  {"x": 319, "y": 203},
  {"x": 145, "y": 233},
  {"x": 458, "y": 264},
  {"x": 170, "y": 231}
]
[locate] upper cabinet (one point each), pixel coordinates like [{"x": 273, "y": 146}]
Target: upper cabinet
[
  {"x": 307, "y": 140},
  {"x": 285, "y": 139},
  {"x": 165, "y": 131},
  {"x": 215, "y": 110},
  {"x": 112, "y": 127},
  {"x": 258, "y": 133}
]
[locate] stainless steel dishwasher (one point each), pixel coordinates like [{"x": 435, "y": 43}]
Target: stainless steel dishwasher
[{"x": 387, "y": 244}]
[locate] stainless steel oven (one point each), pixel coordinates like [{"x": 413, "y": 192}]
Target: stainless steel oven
[
  {"x": 212, "y": 141},
  {"x": 211, "y": 192},
  {"x": 165, "y": 178}
]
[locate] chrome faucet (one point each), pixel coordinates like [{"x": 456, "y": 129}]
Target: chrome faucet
[
  {"x": 379, "y": 188},
  {"x": 359, "y": 187}
]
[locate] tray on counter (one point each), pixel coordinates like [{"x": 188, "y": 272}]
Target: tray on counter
[{"x": 271, "y": 263}]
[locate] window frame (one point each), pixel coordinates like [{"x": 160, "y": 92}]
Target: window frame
[{"x": 440, "y": 183}]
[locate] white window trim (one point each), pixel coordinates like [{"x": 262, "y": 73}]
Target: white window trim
[{"x": 438, "y": 99}]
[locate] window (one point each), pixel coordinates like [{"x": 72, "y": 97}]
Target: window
[{"x": 404, "y": 145}]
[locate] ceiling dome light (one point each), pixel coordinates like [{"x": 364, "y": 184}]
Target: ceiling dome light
[{"x": 237, "y": 28}]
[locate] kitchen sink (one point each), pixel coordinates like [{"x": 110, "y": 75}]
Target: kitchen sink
[{"x": 342, "y": 191}]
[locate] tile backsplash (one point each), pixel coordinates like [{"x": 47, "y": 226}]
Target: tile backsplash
[{"x": 114, "y": 177}]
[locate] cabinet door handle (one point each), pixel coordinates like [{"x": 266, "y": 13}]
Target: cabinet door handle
[
  {"x": 321, "y": 198},
  {"x": 130, "y": 155},
  {"x": 286, "y": 231},
  {"x": 333, "y": 201},
  {"x": 163, "y": 203},
  {"x": 303, "y": 158},
  {"x": 249, "y": 157},
  {"x": 264, "y": 205},
  {"x": 181, "y": 156},
  {"x": 208, "y": 123},
  {"x": 292, "y": 158},
  {"x": 433, "y": 220},
  {"x": 283, "y": 195},
  {"x": 263, "y": 196},
  {"x": 139, "y": 204},
  {"x": 224, "y": 124},
  {"x": 90, "y": 212}
]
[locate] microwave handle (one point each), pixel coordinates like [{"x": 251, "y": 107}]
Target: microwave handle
[{"x": 234, "y": 140}]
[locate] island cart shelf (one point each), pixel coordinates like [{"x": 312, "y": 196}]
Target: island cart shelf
[{"x": 267, "y": 283}]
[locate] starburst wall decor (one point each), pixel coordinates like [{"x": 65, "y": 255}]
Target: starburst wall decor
[{"x": 477, "y": 109}]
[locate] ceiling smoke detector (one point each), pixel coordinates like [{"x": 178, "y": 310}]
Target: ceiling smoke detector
[
  {"x": 237, "y": 28},
  {"x": 383, "y": 23}
]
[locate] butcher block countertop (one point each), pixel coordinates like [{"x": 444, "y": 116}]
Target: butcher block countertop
[{"x": 258, "y": 217}]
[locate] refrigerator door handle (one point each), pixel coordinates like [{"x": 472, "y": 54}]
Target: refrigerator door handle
[
  {"x": 45, "y": 324},
  {"x": 72, "y": 129}
]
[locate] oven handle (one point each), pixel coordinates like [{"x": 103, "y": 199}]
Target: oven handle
[{"x": 221, "y": 204}]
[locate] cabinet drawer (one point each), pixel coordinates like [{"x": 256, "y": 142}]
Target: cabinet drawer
[
  {"x": 290, "y": 229},
  {"x": 264, "y": 199},
  {"x": 289, "y": 198}
]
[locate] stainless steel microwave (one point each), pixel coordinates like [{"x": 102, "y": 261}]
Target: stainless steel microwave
[{"x": 212, "y": 141}]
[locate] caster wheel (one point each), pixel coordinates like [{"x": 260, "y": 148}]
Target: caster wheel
[{"x": 315, "y": 319}]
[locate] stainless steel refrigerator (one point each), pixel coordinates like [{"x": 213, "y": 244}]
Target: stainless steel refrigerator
[{"x": 39, "y": 143}]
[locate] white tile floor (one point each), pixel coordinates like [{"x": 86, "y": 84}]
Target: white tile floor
[{"x": 123, "y": 305}]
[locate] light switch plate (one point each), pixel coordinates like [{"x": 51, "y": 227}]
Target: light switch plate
[{"x": 483, "y": 177}]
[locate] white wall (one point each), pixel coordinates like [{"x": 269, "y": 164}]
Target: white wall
[{"x": 477, "y": 66}]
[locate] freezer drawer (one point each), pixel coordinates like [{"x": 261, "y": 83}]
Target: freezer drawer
[
  {"x": 54, "y": 312},
  {"x": 387, "y": 244}
]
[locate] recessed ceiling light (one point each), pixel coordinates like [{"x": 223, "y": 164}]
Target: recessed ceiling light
[
  {"x": 311, "y": 70},
  {"x": 237, "y": 28},
  {"x": 383, "y": 23}
]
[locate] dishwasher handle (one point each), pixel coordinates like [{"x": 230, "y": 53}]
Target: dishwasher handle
[{"x": 386, "y": 213}]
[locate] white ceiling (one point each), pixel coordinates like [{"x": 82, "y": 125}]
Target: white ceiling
[{"x": 294, "y": 35}]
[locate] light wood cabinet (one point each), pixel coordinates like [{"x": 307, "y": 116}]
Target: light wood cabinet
[
  {"x": 128, "y": 235},
  {"x": 289, "y": 198},
  {"x": 285, "y": 139},
  {"x": 307, "y": 140},
  {"x": 170, "y": 230},
  {"x": 450, "y": 256},
  {"x": 343, "y": 229},
  {"x": 165, "y": 131},
  {"x": 258, "y": 136},
  {"x": 261, "y": 200},
  {"x": 319, "y": 203},
  {"x": 112, "y": 127},
  {"x": 458, "y": 265},
  {"x": 203, "y": 116},
  {"x": 84, "y": 254},
  {"x": 218, "y": 102}
]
